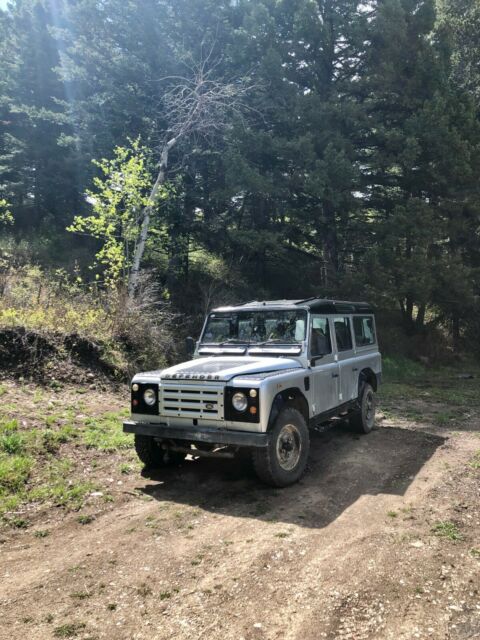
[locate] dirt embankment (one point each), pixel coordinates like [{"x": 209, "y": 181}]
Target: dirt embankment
[
  {"x": 47, "y": 357},
  {"x": 380, "y": 540}
]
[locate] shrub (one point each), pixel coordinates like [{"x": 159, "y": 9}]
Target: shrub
[
  {"x": 11, "y": 443},
  {"x": 14, "y": 472}
]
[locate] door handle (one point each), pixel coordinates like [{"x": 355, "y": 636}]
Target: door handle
[
  {"x": 334, "y": 375},
  {"x": 355, "y": 369}
]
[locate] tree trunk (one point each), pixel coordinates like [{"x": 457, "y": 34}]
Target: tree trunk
[
  {"x": 178, "y": 232},
  {"x": 456, "y": 332},
  {"x": 420, "y": 319},
  {"x": 145, "y": 218},
  {"x": 330, "y": 244}
]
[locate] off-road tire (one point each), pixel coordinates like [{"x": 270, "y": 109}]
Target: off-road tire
[
  {"x": 153, "y": 456},
  {"x": 363, "y": 419},
  {"x": 271, "y": 462}
]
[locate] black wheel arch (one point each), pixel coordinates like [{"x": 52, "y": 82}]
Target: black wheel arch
[
  {"x": 368, "y": 376},
  {"x": 291, "y": 397}
]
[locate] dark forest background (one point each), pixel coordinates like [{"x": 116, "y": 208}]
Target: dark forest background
[{"x": 351, "y": 170}]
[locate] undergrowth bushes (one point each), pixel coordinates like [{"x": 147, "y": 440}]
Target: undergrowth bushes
[{"x": 133, "y": 334}]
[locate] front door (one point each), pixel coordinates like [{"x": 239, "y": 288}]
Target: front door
[{"x": 325, "y": 369}]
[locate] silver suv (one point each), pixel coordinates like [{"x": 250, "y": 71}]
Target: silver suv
[{"x": 262, "y": 374}]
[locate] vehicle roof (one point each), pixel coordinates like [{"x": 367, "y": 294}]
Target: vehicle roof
[{"x": 316, "y": 305}]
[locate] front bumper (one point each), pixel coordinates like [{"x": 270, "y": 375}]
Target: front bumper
[{"x": 210, "y": 435}]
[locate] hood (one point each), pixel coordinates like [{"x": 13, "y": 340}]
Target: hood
[{"x": 226, "y": 368}]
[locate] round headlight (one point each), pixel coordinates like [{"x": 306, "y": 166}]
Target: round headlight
[
  {"x": 149, "y": 396},
  {"x": 239, "y": 401}
]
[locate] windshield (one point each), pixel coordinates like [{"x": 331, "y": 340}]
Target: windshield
[{"x": 256, "y": 327}]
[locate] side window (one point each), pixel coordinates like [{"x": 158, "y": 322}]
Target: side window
[
  {"x": 364, "y": 330},
  {"x": 343, "y": 334},
  {"x": 320, "y": 343}
]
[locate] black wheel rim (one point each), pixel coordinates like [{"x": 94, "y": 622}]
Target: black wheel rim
[{"x": 289, "y": 447}]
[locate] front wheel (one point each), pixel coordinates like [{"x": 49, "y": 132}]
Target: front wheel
[
  {"x": 283, "y": 461},
  {"x": 363, "y": 420},
  {"x": 153, "y": 455}
]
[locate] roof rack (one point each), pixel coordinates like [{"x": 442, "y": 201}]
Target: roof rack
[{"x": 315, "y": 304}]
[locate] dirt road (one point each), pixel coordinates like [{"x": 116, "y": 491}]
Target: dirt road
[{"x": 379, "y": 540}]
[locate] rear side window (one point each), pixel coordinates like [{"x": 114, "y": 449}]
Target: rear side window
[
  {"x": 364, "y": 330},
  {"x": 343, "y": 334}
]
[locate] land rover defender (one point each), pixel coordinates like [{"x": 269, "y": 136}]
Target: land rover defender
[{"x": 262, "y": 374}]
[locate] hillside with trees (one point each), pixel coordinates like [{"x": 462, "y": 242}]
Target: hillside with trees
[{"x": 158, "y": 157}]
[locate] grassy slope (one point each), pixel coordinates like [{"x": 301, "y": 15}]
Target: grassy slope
[{"x": 54, "y": 444}]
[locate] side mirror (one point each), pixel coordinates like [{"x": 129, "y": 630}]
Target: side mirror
[
  {"x": 190, "y": 346},
  {"x": 314, "y": 359}
]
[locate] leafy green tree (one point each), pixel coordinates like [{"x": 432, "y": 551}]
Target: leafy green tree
[
  {"x": 6, "y": 216},
  {"x": 119, "y": 196}
]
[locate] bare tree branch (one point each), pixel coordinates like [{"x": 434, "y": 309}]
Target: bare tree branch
[{"x": 200, "y": 104}]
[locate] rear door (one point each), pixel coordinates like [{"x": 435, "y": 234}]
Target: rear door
[
  {"x": 325, "y": 369},
  {"x": 346, "y": 359}
]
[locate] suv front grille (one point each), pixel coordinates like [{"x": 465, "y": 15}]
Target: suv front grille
[{"x": 184, "y": 400}]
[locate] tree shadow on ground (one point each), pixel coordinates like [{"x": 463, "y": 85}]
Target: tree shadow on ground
[{"x": 342, "y": 468}]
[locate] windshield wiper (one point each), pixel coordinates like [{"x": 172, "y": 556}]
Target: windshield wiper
[
  {"x": 232, "y": 341},
  {"x": 273, "y": 341}
]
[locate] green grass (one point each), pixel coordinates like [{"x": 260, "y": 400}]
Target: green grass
[
  {"x": 444, "y": 417},
  {"x": 433, "y": 394},
  {"x": 32, "y": 466},
  {"x": 81, "y": 595},
  {"x": 62, "y": 494},
  {"x": 19, "y": 523},
  {"x": 12, "y": 443},
  {"x": 58, "y": 487},
  {"x": 85, "y": 519},
  {"x": 475, "y": 463},
  {"x": 447, "y": 529},
  {"x": 69, "y": 630},
  {"x": 105, "y": 433},
  {"x": 144, "y": 590},
  {"x": 14, "y": 472},
  {"x": 400, "y": 368},
  {"x": 52, "y": 440}
]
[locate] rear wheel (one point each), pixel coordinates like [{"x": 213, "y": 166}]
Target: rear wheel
[
  {"x": 283, "y": 461},
  {"x": 153, "y": 455},
  {"x": 363, "y": 420}
]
